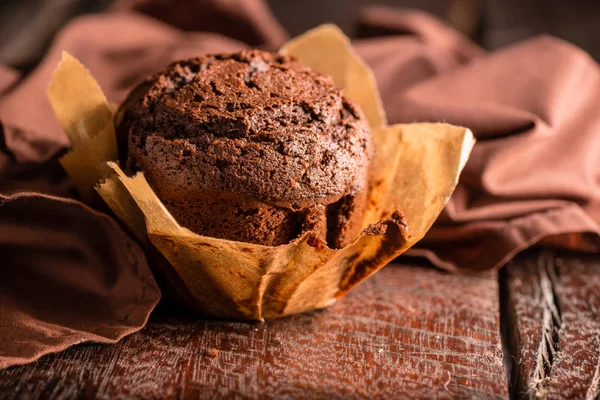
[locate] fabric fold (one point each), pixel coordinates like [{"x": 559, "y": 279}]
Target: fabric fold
[
  {"x": 68, "y": 275},
  {"x": 532, "y": 110}
]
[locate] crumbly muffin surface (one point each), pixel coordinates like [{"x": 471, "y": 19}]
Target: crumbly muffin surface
[{"x": 251, "y": 129}]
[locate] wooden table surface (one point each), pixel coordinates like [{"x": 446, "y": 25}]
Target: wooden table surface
[{"x": 409, "y": 331}]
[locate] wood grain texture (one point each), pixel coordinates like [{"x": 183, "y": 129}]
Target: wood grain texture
[
  {"x": 555, "y": 316},
  {"x": 407, "y": 331}
]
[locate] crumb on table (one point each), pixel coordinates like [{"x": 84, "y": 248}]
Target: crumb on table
[{"x": 212, "y": 352}]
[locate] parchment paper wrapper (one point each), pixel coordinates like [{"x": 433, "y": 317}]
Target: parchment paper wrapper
[{"x": 417, "y": 168}]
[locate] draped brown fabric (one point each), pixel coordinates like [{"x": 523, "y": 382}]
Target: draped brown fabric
[
  {"x": 69, "y": 273},
  {"x": 534, "y": 175}
]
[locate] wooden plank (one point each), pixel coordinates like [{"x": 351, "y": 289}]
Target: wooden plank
[
  {"x": 408, "y": 331},
  {"x": 554, "y": 315}
]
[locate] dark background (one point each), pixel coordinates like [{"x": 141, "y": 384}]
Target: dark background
[{"x": 27, "y": 26}]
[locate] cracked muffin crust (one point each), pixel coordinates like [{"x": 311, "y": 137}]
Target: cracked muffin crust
[{"x": 251, "y": 146}]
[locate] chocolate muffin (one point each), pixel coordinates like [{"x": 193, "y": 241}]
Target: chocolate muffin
[{"x": 251, "y": 146}]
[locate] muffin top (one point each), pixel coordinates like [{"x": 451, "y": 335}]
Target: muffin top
[{"x": 251, "y": 124}]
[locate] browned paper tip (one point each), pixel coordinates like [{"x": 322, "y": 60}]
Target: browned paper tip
[
  {"x": 327, "y": 50},
  {"x": 232, "y": 279},
  {"x": 427, "y": 161}
]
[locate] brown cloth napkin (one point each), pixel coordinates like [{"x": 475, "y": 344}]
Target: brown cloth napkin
[
  {"x": 534, "y": 174},
  {"x": 69, "y": 274}
]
